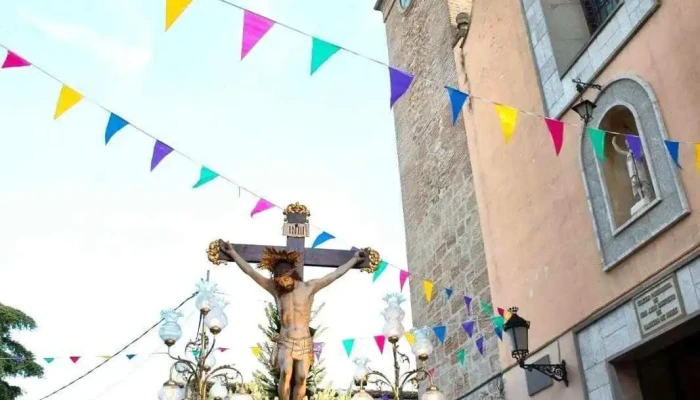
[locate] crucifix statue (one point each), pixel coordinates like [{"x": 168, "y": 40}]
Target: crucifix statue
[{"x": 293, "y": 354}]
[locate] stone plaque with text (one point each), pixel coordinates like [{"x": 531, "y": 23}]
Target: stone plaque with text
[
  {"x": 658, "y": 306},
  {"x": 295, "y": 230}
]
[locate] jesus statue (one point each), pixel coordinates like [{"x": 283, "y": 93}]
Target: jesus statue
[{"x": 293, "y": 353}]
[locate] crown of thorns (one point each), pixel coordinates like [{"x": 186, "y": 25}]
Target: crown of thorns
[{"x": 272, "y": 257}]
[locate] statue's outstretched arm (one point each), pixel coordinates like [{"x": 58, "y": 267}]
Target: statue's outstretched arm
[
  {"x": 320, "y": 283},
  {"x": 265, "y": 283}
]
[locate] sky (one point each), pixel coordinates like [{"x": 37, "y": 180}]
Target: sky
[{"x": 93, "y": 245}]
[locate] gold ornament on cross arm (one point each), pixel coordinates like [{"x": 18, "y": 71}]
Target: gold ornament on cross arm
[
  {"x": 374, "y": 260},
  {"x": 213, "y": 253}
]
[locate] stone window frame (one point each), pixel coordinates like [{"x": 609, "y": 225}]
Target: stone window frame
[
  {"x": 557, "y": 89},
  {"x": 670, "y": 204}
]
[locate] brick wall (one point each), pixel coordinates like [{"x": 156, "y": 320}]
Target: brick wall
[{"x": 443, "y": 233}]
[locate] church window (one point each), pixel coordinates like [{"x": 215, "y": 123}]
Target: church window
[{"x": 405, "y": 4}]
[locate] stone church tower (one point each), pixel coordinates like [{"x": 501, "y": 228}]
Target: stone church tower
[{"x": 443, "y": 232}]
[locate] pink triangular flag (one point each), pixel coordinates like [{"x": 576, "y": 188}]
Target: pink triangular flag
[
  {"x": 261, "y": 206},
  {"x": 74, "y": 359},
  {"x": 222, "y": 349},
  {"x": 403, "y": 275},
  {"x": 556, "y": 129},
  {"x": 431, "y": 373},
  {"x": 380, "y": 340},
  {"x": 13, "y": 60},
  {"x": 254, "y": 28}
]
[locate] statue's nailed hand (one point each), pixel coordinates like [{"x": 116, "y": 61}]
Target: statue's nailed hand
[
  {"x": 360, "y": 256},
  {"x": 226, "y": 248}
]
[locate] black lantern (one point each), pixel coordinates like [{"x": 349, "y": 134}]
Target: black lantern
[
  {"x": 585, "y": 110},
  {"x": 517, "y": 330}
]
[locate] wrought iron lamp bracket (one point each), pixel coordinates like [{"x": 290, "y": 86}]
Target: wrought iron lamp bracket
[{"x": 554, "y": 371}]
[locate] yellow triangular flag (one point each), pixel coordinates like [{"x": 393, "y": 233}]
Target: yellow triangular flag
[
  {"x": 173, "y": 10},
  {"x": 106, "y": 357},
  {"x": 410, "y": 338},
  {"x": 507, "y": 314},
  {"x": 697, "y": 156},
  {"x": 66, "y": 99},
  {"x": 509, "y": 118},
  {"x": 256, "y": 351},
  {"x": 428, "y": 289}
]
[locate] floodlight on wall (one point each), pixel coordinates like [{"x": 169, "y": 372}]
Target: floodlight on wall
[{"x": 517, "y": 330}]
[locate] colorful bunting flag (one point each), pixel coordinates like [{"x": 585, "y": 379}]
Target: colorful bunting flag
[
  {"x": 597, "y": 137},
  {"x": 12, "y": 60},
  {"x": 468, "y": 304},
  {"x": 66, "y": 100},
  {"x": 499, "y": 332},
  {"x": 428, "y": 290},
  {"x": 254, "y": 28},
  {"x": 160, "y": 151},
  {"x": 380, "y": 270},
  {"x": 634, "y": 143},
  {"x": 556, "y": 131},
  {"x": 205, "y": 176},
  {"x": 448, "y": 292},
  {"x": 48, "y": 360},
  {"x": 480, "y": 345},
  {"x": 498, "y": 321},
  {"x": 318, "y": 349},
  {"x": 323, "y": 237},
  {"x": 173, "y": 10},
  {"x": 74, "y": 359},
  {"x": 130, "y": 356},
  {"x": 440, "y": 332},
  {"x": 400, "y": 82},
  {"x": 509, "y": 118},
  {"x": 500, "y": 311},
  {"x": 431, "y": 373},
  {"x": 222, "y": 349},
  {"x": 256, "y": 351},
  {"x": 403, "y": 275},
  {"x": 114, "y": 125},
  {"x": 321, "y": 51},
  {"x": 461, "y": 357},
  {"x": 697, "y": 156},
  {"x": 672, "y": 148},
  {"x": 507, "y": 315},
  {"x": 468, "y": 328},
  {"x": 196, "y": 353},
  {"x": 457, "y": 100},
  {"x": 381, "y": 341},
  {"x": 385, "y": 397},
  {"x": 486, "y": 308},
  {"x": 410, "y": 338},
  {"x": 348, "y": 345},
  {"x": 260, "y": 206},
  {"x": 106, "y": 357}
]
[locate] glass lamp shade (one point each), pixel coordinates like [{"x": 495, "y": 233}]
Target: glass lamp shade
[
  {"x": 393, "y": 329},
  {"x": 170, "y": 332},
  {"x": 584, "y": 109},
  {"x": 517, "y": 330},
  {"x": 210, "y": 361},
  {"x": 218, "y": 392},
  {"x": 362, "y": 395},
  {"x": 361, "y": 369},
  {"x": 432, "y": 394},
  {"x": 171, "y": 391},
  {"x": 206, "y": 299},
  {"x": 216, "y": 320},
  {"x": 422, "y": 347}
]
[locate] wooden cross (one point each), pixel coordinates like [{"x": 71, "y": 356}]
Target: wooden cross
[{"x": 296, "y": 229}]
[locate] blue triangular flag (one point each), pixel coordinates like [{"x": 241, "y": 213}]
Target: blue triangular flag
[
  {"x": 114, "y": 125},
  {"x": 130, "y": 356},
  {"x": 322, "y": 238},
  {"x": 448, "y": 292},
  {"x": 457, "y": 99},
  {"x": 499, "y": 332},
  {"x": 440, "y": 332},
  {"x": 672, "y": 150}
]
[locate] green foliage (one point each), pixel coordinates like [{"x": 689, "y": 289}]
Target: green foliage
[
  {"x": 15, "y": 359},
  {"x": 266, "y": 381}
]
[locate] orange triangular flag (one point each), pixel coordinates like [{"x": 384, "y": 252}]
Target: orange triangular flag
[
  {"x": 173, "y": 10},
  {"x": 428, "y": 289},
  {"x": 697, "y": 156},
  {"x": 66, "y": 99},
  {"x": 509, "y": 118}
]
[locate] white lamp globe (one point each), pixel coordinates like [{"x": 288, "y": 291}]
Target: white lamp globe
[
  {"x": 171, "y": 391},
  {"x": 362, "y": 395},
  {"x": 432, "y": 394},
  {"x": 218, "y": 392}
]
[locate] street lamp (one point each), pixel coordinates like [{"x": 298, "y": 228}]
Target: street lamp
[
  {"x": 585, "y": 110},
  {"x": 393, "y": 330},
  {"x": 200, "y": 379},
  {"x": 517, "y": 330}
]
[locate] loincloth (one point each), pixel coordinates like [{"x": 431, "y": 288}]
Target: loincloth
[{"x": 299, "y": 349}]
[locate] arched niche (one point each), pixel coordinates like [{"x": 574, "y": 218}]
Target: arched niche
[{"x": 623, "y": 222}]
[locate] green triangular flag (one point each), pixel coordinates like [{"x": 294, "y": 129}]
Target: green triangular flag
[
  {"x": 196, "y": 353},
  {"x": 205, "y": 175},
  {"x": 348, "y": 344},
  {"x": 48, "y": 360},
  {"x": 379, "y": 271},
  {"x": 598, "y": 141},
  {"x": 498, "y": 321},
  {"x": 321, "y": 51},
  {"x": 461, "y": 357},
  {"x": 486, "y": 307}
]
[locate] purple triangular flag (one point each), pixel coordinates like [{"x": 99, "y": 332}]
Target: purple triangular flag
[
  {"x": 160, "y": 151},
  {"x": 469, "y": 327},
  {"x": 400, "y": 82},
  {"x": 634, "y": 143},
  {"x": 468, "y": 303},
  {"x": 318, "y": 348},
  {"x": 385, "y": 397},
  {"x": 480, "y": 345}
]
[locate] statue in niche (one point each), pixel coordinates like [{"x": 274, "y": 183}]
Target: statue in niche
[{"x": 641, "y": 189}]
